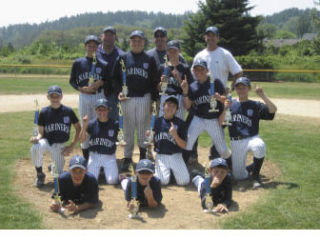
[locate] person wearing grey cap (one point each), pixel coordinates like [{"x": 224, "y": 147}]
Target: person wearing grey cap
[
  {"x": 148, "y": 188},
  {"x": 220, "y": 185},
  {"x": 109, "y": 52},
  {"x": 78, "y": 189},
  {"x": 54, "y": 128},
  {"x": 89, "y": 76},
  {"x": 141, "y": 79},
  {"x": 244, "y": 130},
  {"x": 102, "y": 133}
]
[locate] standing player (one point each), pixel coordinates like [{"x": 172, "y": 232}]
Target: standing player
[
  {"x": 169, "y": 140},
  {"x": 141, "y": 79},
  {"x": 109, "y": 52},
  {"x": 54, "y": 131},
  {"x": 102, "y": 133},
  {"x": 198, "y": 95},
  {"x": 245, "y": 129},
  {"x": 78, "y": 189},
  {"x": 84, "y": 69},
  {"x": 176, "y": 73}
]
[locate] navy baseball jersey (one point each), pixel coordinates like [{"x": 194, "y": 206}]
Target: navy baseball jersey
[
  {"x": 103, "y": 136},
  {"x": 87, "y": 191},
  {"x": 142, "y": 74},
  {"x": 159, "y": 56},
  {"x": 57, "y": 123},
  {"x": 246, "y": 116},
  {"x": 200, "y": 95},
  {"x": 81, "y": 70},
  {"x": 164, "y": 142},
  {"x": 155, "y": 186},
  {"x": 221, "y": 194},
  {"x": 174, "y": 87}
]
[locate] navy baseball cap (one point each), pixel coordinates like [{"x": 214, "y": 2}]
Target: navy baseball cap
[
  {"x": 201, "y": 63},
  {"x": 173, "y": 44},
  {"x": 54, "y": 89},
  {"x": 91, "y": 38},
  {"x": 78, "y": 162},
  {"x": 160, "y": 29},
  {"x": 218, "y": 162},
  {"x": 212, "y": 29},
  {"x": 102, "y": 103},
  {"x": 172, "y": 99},
  {"x": 145, "y": 165},
  {"x": 137, "y": 33},
  {"x": 244, "y": 80},
  {"x": 109, "y": 29}
]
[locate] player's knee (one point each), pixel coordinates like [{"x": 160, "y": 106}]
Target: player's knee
[
  {"x": 183, "y": 181},
  {"x": 111, "y": 180},
  {"x": 165, "y": 180},
  {"x": 240, "y": 175},
  {"x": 259, "y": 149},
  {"x": 226, "y": 153}
]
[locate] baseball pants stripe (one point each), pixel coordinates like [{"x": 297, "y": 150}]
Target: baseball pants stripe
[
  {"x": 197, "y": 181},
  {"x": 164, "y": 163},
  {"x": 198, "y": 125},
  {"x": 240, "y": 148},
  {"x": 107, "y": 162},
  {"x": 136, "y": 115},
  {"x": 87, "y": 106},
  {"x": 181, "y": 110},
  {"x": 37, "y": 151}
]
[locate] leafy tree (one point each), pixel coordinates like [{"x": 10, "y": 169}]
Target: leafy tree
[
  {"x": 267, "y": 30},
  {"x": 282, "y": 34},
  {"x": 237, "y": 28}
]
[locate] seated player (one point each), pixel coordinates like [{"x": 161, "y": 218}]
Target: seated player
[
  {"x": 54, "y": 127},
  {"x": 102, "y": 133},
  {"x": 244, "y": 131},
  {"x": 170, "y": 136},
  {"x": 148, "y": 186},
  {"x": 78, "y": 188},
  {"x": 220, "y": 185}
]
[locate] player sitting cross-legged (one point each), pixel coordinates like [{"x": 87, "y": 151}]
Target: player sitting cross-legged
[
  {"x": 170, "y": 136},
  {"x": 244, "y": 130},
  {"x": 102, "y": 133},
  {"x": 54, "y": 127}
]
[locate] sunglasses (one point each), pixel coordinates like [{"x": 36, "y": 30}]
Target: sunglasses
[{"x": 159, "y": 36}]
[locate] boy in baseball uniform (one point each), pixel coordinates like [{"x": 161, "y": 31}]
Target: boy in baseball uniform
[
  {"x": 170, "y": 135},
  {"x": 102, "y": 133},
  {"x": 220, "y": 184},
  {"x": 244, "y": 131},
  {"x": 54, "y": 126}
]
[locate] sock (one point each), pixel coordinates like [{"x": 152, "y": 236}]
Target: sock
[
  {"x": 39, "y": 170},
  {"x": 85, "y": 153},
  {"x": 257, "y": 167},
  {"x": 229, "y": 162},
  {"x": 143, "y": 152},
  {"x": 213, "y": 153}
]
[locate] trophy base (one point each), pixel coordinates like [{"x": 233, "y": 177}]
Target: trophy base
[
  {"x": 134, "y": 216},
  {"x": 227, "y": 124},
  {"x": 147, "y": 143},
  {"x": 213, "y": 110},
  {"x": 62, "y": 210},
  {"x": 121, "y": 144},
  {"x": 125, "y": 98},
  {"x": 163, "y": 94},
  {"x": 213, "y": 211}
]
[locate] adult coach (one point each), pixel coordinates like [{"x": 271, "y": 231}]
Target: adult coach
[
  {"x": 78, "y": 189},
  {"x": 109, "y": 52},
  {"x": 82, "y": 70},
  {"x": 141, "y": 80}
]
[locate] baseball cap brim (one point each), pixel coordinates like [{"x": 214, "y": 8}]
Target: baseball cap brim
[{"x": 77, "y": 166}]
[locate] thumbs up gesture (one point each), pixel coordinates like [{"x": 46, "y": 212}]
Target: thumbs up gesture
[{"x": 173, "y": 130}]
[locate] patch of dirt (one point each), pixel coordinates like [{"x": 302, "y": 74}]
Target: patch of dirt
[{"x": 181, "y": 205}]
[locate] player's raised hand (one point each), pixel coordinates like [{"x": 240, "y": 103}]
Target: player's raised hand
[
  {"x": 67, "y": 150},
  {"x": 176, "y": 75},
  {"x": 148, "y": 190},
  {"x": 259, "y": 91},
  {"x": 227, "y": 104},
  {"x": 185, "y": 86},
  {"x": 173, "y": 130},
  {"x": 220, "y": 98},
  {"x": 85, "y": 120}
]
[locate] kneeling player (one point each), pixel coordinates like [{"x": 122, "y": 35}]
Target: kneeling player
[
  {"x": 54, "y": 127},
  {"x": 220, "y": 183},
  {"x": 148, "y": 187},
  {"x": 244, "y": 130},
  {"x": 78, "y": 189},
  {"x": 170, "y": 136},
  {"x": 102, "y": 133}
]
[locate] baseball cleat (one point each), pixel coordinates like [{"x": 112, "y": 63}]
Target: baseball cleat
[
  {"x": 257, "y": 183},
  {"x": 40, "y": 180},
  {"x": 125, "y": 165},
  {"x": 196, "y": 172},
  {"x": 150, "y": 155}
]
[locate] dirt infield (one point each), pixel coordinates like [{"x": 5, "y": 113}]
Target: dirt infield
[
  {"x": 18, "y": 103},
  {"x": 181, "y": 207}
]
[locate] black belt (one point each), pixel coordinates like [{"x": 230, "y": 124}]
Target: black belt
[
  {"x": 94, "y": 93},
  {"x": 237, "y": 138}
]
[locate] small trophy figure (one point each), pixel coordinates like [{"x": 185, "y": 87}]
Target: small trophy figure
[
  {"x": 213, "y": 101},
  {"x": 209, "y": 203},
  {"x": 164, "y": 85},
  {"x": 56, "y": 188},
  {"x": 149, "y": 133},
  {"x": 228, "y": 116},
  {"x": 135, "y": 208},
  {"x": 35, "y": 130},
  {"x": 93, "y": 69},
  {"x": 124, "y": 80},
  {"x": 120, "y": 138}
]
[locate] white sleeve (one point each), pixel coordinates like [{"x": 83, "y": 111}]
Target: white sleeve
[{"x": 233, "y": 65}]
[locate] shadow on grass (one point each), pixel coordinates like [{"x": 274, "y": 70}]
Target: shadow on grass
[
  {"x": 158, "y": 212},
  {"x": 92, "y": 213}
]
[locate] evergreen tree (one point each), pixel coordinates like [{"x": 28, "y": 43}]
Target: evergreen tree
[{"x": 237, "y": 28}]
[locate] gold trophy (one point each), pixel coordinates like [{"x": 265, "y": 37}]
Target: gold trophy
[
  {"x": 135, "y": 209},
  {"x": 57, "y": 198},
  {"x": 120, "y": 138},
  {"x": 149, "y": 137},
  {"x": 164, "y": 85},
  {"x": 213, "y": 101},
  {"x": 93, "y": 69},
  {"x": 35, "y": 130},
  {"x": 228, "y": 117},
  {"x": 208, "y": 201},
  {"x": 125, "y": 90}
]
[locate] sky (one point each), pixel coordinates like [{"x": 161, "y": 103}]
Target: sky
[{"x": 37, "y": 11}]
